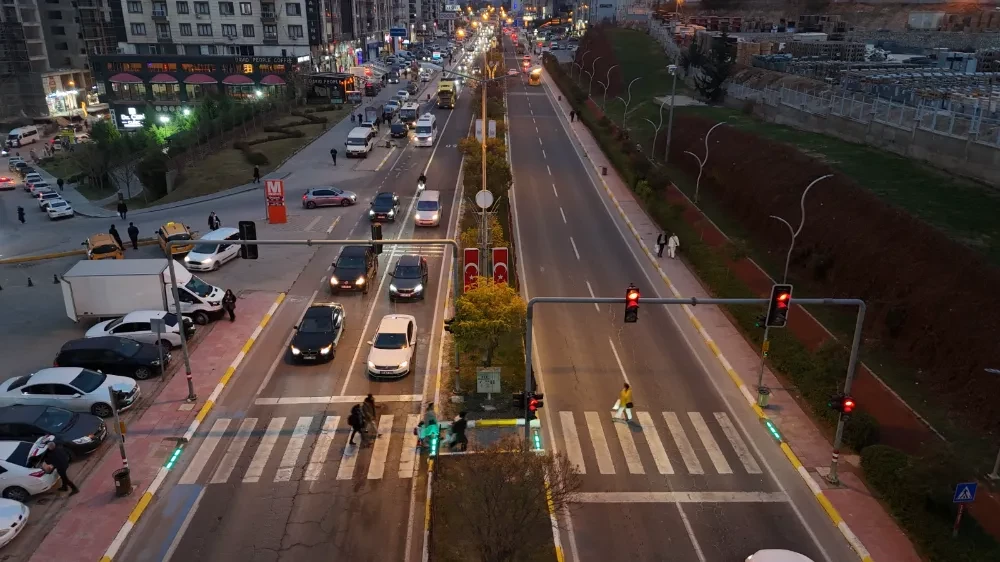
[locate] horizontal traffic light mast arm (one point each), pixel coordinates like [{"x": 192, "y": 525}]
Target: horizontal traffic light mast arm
[
  {"x": 692, "y": 301},
  {"x": 362, "y": 242}
]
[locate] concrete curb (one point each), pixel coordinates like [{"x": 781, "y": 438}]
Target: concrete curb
[
  {"x": 147, "y": 496},
  {"x": 831, "y": 511},
  {"x": 54, "y": 255}
]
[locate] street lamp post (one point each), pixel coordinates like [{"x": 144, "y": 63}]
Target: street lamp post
[
  {"x": 606, "y": 83},
  {"x": 670, "y": 123},
  {"x": 580, "y": 65},
  {"x": 627, "y": 102},
  {"x": 701, "y": 163},
  {"x": 995, "y": 475},
  {"x": 590, "y": 84},
  {"x": 656, "y": 134}
]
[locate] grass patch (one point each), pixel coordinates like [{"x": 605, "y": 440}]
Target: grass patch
[
  {"x": 62, "y": 165},
  {"x": 509, "y": 358}
]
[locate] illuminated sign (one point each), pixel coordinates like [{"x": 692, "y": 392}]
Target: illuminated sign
[
  {"x": 452, "y": 8},
  {"x": 131, "y": 119},
  {"x": 265, "y": 60}
]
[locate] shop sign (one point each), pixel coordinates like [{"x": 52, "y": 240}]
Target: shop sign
[{"x": 131, "y": 118}]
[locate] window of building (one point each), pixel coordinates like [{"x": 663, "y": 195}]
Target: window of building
[
  {"x": 199, "y": 67},
  {"x": 295, "y": 31},
  {"x": 54, "y": 15},
  {"x": 134, "y": 7},
  {"x": 267, "y": 9},
  {"x": 270, "y": 31},
  {"x": 138, "y": 29},
  {"x": 226, "y": 8},
  {"x": 201, "y": 8},
  {"x": 246, "y": 8},
  {"x": 205, "y": 29},
  {"x": 183, "y": 8},
  {"x": 248, "y": 30},
  {"x": 163, "y": 30},
  {"x": 185, "y": 29},
  {"x": 159, "y": 9},
  {"x": 125, "y": 92},
  {"x": 62, "y": 46},
  {"x": 228, "y": 30},
  {"x": 58, "y": 30},
  {"x": 161, "y": 66},
  {"x": 293, "y": 10},
  {"x": 271, "y": 68}
]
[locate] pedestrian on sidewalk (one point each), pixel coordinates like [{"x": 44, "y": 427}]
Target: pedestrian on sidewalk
[
  {"x": 354, "y": 420},
  {"x": 572, "y": 116},
  {"x": 661, "y": 242},
  {"x": 114, "y": 234},
  {"x": 352, "y": 118},
  {"x": 20, "y": 214},
  {"x": 672, "y": 244},
  {"x": 256, "y": 174},
  {"x": 133, "y": 235},
  {"x": 333, "y": 154},
  {"x": 229, "y": 304},
  {"x": 58, "y": 459},
  {"x": 458, "y": 437},
  {"x": 622, "y": 409},
  {"x": 122, "y": 208}
]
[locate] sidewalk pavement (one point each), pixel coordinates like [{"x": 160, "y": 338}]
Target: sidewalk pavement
[
  {"x": 91, "y": 520},
  {"x": 862, "y": 513}
]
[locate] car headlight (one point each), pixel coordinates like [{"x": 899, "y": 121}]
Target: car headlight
[
  {"x": 214, "y": 303},
  {"x": 334, "y": 280},
  {"x": 371, "y": 365},
  {"x": 371, "y": 212},
  {"x": 206, "y": 261},
  {"x": 83, "y": 440},
  {"x": 404, "y": 364},
  {"x": 360, "y": 281},
  {"x": 392, "y": 288},
  {"x": 154, "y": 362},
  {"x": 326, "y": 350},
  {"x": 391, "y": 212},
  {"x": 295, "y": 350},
  {"x": 434, "y": 217}
]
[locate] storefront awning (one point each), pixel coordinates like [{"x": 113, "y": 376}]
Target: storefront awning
[
  {"x": 163, "y": 79},
  {"x": 200, "y": 79},
  {"x": 125, "y": 78},
  {"x": 237, "y": 80},
  {"x": 272, "y": 80}
]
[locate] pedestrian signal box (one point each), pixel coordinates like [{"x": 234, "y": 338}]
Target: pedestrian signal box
[
  {"x": 377, "y": 235},
  {"x": 248, "y": 231}
]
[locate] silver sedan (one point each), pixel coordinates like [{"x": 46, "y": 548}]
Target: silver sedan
[{"x": 328, "y": 196}]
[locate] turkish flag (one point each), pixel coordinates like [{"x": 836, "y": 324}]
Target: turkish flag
[
  {"x": 501, "y": 269},
  {"x": 470, "y": 269}
]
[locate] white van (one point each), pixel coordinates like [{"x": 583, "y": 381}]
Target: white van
[
  {"x": 211, "y": 251},
  {"x": 360, "y": 141},
  {"x": 22, "y": 136},
  {"x": 426, "y": 130},
  {"x": 428, "y": 209}
]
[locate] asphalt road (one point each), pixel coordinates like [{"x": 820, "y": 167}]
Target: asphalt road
[
  {"x": 695, "y": 477},
  {"x": 270, "y": 475}
]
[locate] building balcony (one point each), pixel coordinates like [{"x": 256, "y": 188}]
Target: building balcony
[
  {"x": 164, "y": 38},
  {"x": 269, "y": 17},
  {"x": 159, "y": 15},
  {"x": 271, "y": 39}
]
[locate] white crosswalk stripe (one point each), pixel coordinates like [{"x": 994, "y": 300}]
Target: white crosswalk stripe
[
  {"x": 322, "y": 447},
  {"x": 212, "y": 440},
  {"x": 572, "y": 441},
  {"x": 711, "y": 446},
  {"x": 660, "y": 457},
  {"x": 377, "y": 467},
  {"x": 688, "y": 455},
  {"x": 234, "y": 451},
  {"x": 604, "y": 463},
  {"x": 629, "y": 449},
  {"x": 264, "y": 450},
  {"x": 410, "y": 455},
  {"x": 290, "y": 459},
  {"x": 749, "y": 463}
]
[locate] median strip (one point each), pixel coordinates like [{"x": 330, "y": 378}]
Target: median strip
[{"x": 55, "y": 255}]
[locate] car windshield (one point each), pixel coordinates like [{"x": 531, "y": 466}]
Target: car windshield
[
  {"x": 207, "y": 249},
  {"x": 384, "y": 200},
  {"x": 351, "y": 262},
  {"x": 55, "y": 420},
  {"x": 105, "y": 249},
  {"x": 199, "y": 287},
  {"x": 170, "y": 319},
  {"x": 19, "y": 382},
  {"x": 180, "y": 236},
  {"x": 114, "y": 324},
  {"x": 398, "y": 127},
  {"x": 427, "y": 205},
  {"x": 356, "y": 141},
  {"x": 408, "y": 114},
  {"x": 20, "y": 454},
  {"x": 89, "y": 381},
  {"x": 390, "y": 341},
  {"x": 318, "y": 324},
  {"x": 424, "y": 129},
  {"x": 407, "y": 272}
]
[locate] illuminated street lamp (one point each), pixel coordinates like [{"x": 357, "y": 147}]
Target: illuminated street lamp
[{"x": 164, "y": 119}]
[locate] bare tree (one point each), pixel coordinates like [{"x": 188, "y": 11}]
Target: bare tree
[
  {"x": 501, "y": 497},
  {"x": 93, "y": 162}
]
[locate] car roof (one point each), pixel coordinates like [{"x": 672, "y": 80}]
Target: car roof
[
  {"x": 102, "y": 342},
  {"x": 778, "y": 555},
  {"x": 395, "y": 323},
  {"x": 21, "y": 412},
  {"x": 220, "y": 233},
  {"x": 408, "y": 260},
  {"x": 352, "y": 250},
  {"x": 54, "y": 375},
  {"x": 171, "y": 228},
  {"x": 100, "y": 239},
  {"x": 384, "y": 194},
  {"x": 143, "y": 315},
  {"x": 322, "y": 308}
]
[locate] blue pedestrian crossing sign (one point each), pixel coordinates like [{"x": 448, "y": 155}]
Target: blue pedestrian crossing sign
[{"x": 965, "y": 492}]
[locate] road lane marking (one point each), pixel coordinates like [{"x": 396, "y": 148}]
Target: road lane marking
[
  {"x": 347, "y": 462},
  {"x": 749, "y": 463},
  {"x": 256, "y": 467},
  {"x": 690, "y": 533},
  {"x": 377, "y": 467},
  {"x": 554, "y": 190},
  {"x": 563, "y": 215},
  {"x": 387, "y": 155},
  {"x": 539, "y": 138},
  {"x": 205, "y": 451},
  {"x": 575, "y": 251},
  {"x": 543, "y": 154},
  {"x": 293, "y": 449},
  {"x": 591, "y": 291},
  {"x": 408, "y": 458},
  {"x": 321, "y": 448},
  {"x": 332, "y": 226},
  {"x": 688, "y": 455},
  {"x": 300, "y": 400},
  {"x": 549, "y": 169},
  {"x": 711, "y": 446},
  {"x": 629, "y": 449},
  {"x": 573, "y": 450},
  {"x": 536, "y": 129},
  {"x": 655, "y": 445},
  {"x": 619, "y": 361},
  {"x": 600, "y": 442},
  {"x": 234, "y": 451},
  {"x": 310, "y": 226},
  {"x": 680, "y": 497}
]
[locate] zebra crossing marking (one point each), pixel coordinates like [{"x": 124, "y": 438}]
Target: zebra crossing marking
[
  {"x": 573, "y": 450},
  {"x": 408, "y": 458},
  {"x": 688, "y": 455},
  {"x": 293, "y": 449},
  {"x": 660, "y": 457},
  {"x": 749, "y": 463},
  {"x": 260, "y": 457},
  {"x": 377, "y": 467},
  {"x": 711, "y": 446},
  {"x": 234, "y": 451},
  {"x": 347, "y": 462},
  {"x": 604, "y": 464},
  {"x": 321, "y": 448},
  {"x": 208, "y": 446},
  {"x": 629, "y": 449}
]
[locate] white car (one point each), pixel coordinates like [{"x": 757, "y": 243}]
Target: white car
[
  {"x": 20, "y": 478},
  {"x": 403, "y": 95},
  {"x": 34, "y": 188},
  {"x": 392, "y": 348},
  {"x": 137, "y": 326},
  {"x": 46, "y": 197},
  {"x": 71, "y": 388},
  {"x": 13, "y": 518},
  {"x": 777, "y": 555},
  {"x": 59, "y": 209},
  {"x": 32, "y": 178}
]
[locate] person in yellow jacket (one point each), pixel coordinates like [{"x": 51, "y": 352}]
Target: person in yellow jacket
[{"x": 623, "y": 407}]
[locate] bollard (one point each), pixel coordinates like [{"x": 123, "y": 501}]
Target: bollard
[
  {"x": 763, "y": 396},
  {"x": 30, "y": 283},
  {"x": 560, "y": 98},
  {"x": 55, "y": 279},
  {"x": 604, "y": 170}
]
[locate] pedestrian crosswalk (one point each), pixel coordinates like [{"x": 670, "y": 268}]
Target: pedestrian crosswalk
[
  {"x": 426, "y": 250},
  {"x": 305, "y": 448},
  {"x": 666, "y": 443}
]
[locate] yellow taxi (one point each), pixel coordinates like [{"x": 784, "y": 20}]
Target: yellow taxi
[
  {"x": 175, "y": 232},
  {"x": 103, "y": 247}
]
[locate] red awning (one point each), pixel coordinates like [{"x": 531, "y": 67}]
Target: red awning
[
  {"x": 163, "y": 79},
  {"x": 125, "y": 78},
  {"x": 237, "y": 80},
  {"x": 272, "y": 80},
  {"x": 200, "y": 79}
]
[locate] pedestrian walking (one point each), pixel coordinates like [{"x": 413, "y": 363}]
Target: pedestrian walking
[
  {"x": 352, "y": 118},
  {"x": 354, "y": 420},
  {"x": 57, "y": 459},
  {"x": 333, "y": 154},
  {"x": 229, "y": 304},
  {"x": 623, "y": 406},
  {"x": 133, "y": 235},
  {"x": 572, "y": 116},
  {"x": 458, "y": 437},
  {"x": 428, "y": 427},
  {"x": 214, "y": 222},
  {"x": 118, "y": 238},
  {"x": 661, "y": 242},
  {"x": 672, "y": 244},
  {"x": 122, "y": 208},
  {"x": 256, "y": 174},
  {"x": 368, "y": 417},
  {"x": 20, "y": 214}
]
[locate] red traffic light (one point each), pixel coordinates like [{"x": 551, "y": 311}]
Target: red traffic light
[
  {"x": 783, "y": 299},
  {"x": 633, "y": 295},
  {"x": 847, "y": 406},
  {"x": 533, "y": 404}
]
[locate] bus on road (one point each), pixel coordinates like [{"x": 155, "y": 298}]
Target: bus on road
[{"x": 535, "y": 78}]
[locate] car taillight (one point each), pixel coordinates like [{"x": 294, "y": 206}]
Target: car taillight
[
  {"x": 37, "y": 474},
  {"x": 55, "y": 363},
  {"x": 304, "y": 196}
]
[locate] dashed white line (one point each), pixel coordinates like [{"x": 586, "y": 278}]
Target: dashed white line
[
  {"x": 549, "y": 169},
  {"x": 536, "y": 130},
  {"x": 575, "y": 251},
  {"x": 553, "y": 191},
  {"x": 332, "y": 226},
  {"x": 543, "y": 154},
  {"x": 618, "y": 360},
  {"x": 563, "y": 215},
  {"x": 539, "y": 141},
  {"x": 593, "y": 296}
]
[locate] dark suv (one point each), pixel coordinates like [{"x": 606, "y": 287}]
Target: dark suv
[
  {"x": 114, "y": 356},
  {"x": 399, "y": 130},
  {"x": 355, "y": 269},
  {"x": 385, "y": 207}
]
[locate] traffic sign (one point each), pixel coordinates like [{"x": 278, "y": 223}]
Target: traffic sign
[
  {"x": 965, "y": 492},
  {"x": 397, "y": 32}
]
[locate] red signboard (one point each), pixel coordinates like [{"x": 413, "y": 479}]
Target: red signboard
[
  {"x": 470, "y": 269},
  {"x": 274, "y": 193},
  {"x": 501, "y": 269}
]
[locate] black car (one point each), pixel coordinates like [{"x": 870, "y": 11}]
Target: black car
[
  {"x": 385, "y": 207},
  {"x": 399, "y": 130},
  {"x": 355, "y": 269},
  {"x": 411, "y": 88},
  {"x": 114, "y": 356},
  {"x": 409, "y": 279},
  {"x": 393, "y": 77},
  {"x": 317, "y": 336},
  {"x": 79, "y": 433}
]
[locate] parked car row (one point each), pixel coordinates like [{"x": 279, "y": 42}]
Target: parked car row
[{"x": 45, "y": 195}]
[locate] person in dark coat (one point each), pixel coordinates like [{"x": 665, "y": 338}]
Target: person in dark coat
[
  {"x": 118, "y": 238},
  {"x": 214, "y": 222},
  {"x": 458, "y": 437},
  {"x": 256, "y": 174},
  {"x": 58, "y": 458},
  {"x": 229, "y": 304},
  {"x": 133, "y": 235},
  {"x": 333, "y": 154},
  {"x": 354, "y": 420},
  {"x": 122, "y": 209},
  {"x": 661, "y": 242},
  {"x": 20, "y": 214}
]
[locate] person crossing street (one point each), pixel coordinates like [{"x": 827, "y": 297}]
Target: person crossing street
[
  {"x": 133, "y": 235},
  {"x": 622, "y": 409}
]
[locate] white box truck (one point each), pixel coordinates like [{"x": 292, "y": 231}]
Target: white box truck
[{"x": 109, "y": 288}]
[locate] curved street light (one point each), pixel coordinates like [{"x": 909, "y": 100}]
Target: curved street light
[
  {"x": 627, "y": 102},
  {"x": 580, "y": 64},
  {"x": 701, "y": 163},
  {"x": 607, "y": 82},
  {"x": 656, "y": 135},
  {"x": 593, "y": 66}
]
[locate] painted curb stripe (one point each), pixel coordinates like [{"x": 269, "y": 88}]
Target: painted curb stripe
[{"x": 67, "y": 253}]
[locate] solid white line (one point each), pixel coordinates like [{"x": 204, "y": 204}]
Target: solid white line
[
  {"x": 655, "y": 445},
  {"x": 299, "y": 400},
  {"x": 321, "y": 448},
  {"x": 233, "y": 452},
  {"x": 600, "y": 442},
  {"x": 184, "y": 525},
  {"x": 259, "y": 460},
  {"x": 408, "y": 458},
  {"x": 382, "y": 163},
  {"x": 690, "y": 533},
  {"x": 629, "y": 449},
  {"x": 208, "y": 446},
  {"x": 711, "y": 446},
  {"x": 280, "y": 357},
  {"x": 572, "y": 440},
  {"x": 688, "y": 455},
  {"x": 347, "y": 462},
  {"x": 549, "y": 169},
  {"x": 377, "y": 467},
  {"x": 680, "y": 497},
  {"x": 333, "y": 225},
  {"x": 591, "y": 291},
  {"x": 310, "y": 226},
  {"x": 749, "y": 463},
  {"x": 575, "y": 251},
  {"x": 293, "y": 449},
  {"x": 554, "y": 190},
  {"x": 563, "y": 215},
  {"x": 619, "y": 361}
]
